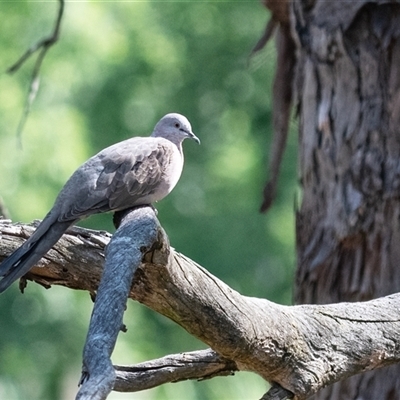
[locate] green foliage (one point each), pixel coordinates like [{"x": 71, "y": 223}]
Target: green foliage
[{"x": 118, "y": 67}]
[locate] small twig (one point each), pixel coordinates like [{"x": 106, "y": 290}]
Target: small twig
[{"x": 43, "y": 45}]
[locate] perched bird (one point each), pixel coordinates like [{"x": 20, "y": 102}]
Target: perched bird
[{"x": 137, "y": 171}]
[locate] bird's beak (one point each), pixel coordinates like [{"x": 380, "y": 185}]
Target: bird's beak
[{"x": 191, "y": 135}]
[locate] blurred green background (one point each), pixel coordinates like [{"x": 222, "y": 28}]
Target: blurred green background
[{"x": 119, "y": 67}]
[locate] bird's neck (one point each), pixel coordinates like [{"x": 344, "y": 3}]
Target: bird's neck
[
  {"x": 178, "y": 145},
  {"x": 176, "y": 141}
]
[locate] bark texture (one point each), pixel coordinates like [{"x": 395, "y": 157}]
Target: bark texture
[{"x": 348, "y": 233}]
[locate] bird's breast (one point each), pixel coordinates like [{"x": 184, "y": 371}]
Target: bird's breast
[{"x": 171, "y": 174}]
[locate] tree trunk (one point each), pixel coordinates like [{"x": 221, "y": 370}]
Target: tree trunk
[{"x": 348, "y": 236}]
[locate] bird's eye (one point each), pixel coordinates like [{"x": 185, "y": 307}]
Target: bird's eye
[{"x": 177, "y": 125}]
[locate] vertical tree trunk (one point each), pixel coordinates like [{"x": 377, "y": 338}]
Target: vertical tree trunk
[{"x": 348, "y": 227}]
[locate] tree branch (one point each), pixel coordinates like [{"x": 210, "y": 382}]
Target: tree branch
[
  {"x": 200, "y": 365},
  {"x": 43, "y": 45},
  {"x": 300, "y": 348}
]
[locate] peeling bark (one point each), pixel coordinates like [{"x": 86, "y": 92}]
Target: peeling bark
[{"x": 282, "y": 91}]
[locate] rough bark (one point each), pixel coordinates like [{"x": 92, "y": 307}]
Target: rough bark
[
  {"x": 348, "y": 233},
  {"x": 298, "y": 348}
]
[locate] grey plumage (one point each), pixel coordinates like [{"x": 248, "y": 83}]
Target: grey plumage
[{"x": 137, "y": 171}]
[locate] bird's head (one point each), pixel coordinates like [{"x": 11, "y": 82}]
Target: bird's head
[{"x": 174, "y": 127}]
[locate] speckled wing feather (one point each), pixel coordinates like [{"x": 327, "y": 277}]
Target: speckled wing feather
[{"x": 136, "y": 180}]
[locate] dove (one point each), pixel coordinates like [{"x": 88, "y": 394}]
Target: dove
[{"x": 137, "y": 171}]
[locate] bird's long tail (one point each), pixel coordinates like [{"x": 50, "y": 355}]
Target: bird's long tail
[{"x": 26, "y": 256}]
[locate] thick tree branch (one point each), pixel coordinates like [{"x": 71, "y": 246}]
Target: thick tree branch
[
  {"x": 124, "y": 254},
  {"x": 301, "y": 348}
]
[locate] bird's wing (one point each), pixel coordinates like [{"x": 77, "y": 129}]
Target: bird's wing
[
  {"x": 119, "y": 177},
  {"x": 136, "y": 177}
]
